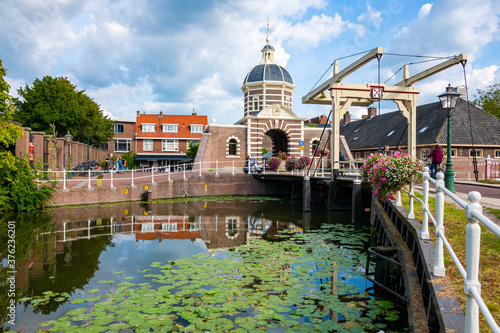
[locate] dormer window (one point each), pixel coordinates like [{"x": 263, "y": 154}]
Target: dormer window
[
  {"x": 391, "y": 132},
  {"x": 196, "y": 128},
  {"x": 148, "y": 128},
  {"x": 170, "y": 128},
  {"x": 423, "y": 129}
]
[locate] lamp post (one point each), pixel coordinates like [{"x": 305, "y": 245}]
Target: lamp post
[
  {"x": 448, "y": 100},
  {"x": 68, "y": 137}
]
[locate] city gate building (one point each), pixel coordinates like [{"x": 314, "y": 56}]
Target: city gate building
[{"x": 268, "y": 120}]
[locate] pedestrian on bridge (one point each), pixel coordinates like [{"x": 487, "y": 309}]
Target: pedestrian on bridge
[{"x": 437, "y": 159}]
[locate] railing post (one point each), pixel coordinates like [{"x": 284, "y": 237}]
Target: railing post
[
  {"x": 472, "y": 252},
  {"x": 89, "y": 177},
  {"x": 438, "y": 269},
  {"x": 152, "y": 175},
  {"x": 233, "y": 168},
  {"x": 488, "y": 168},
  {"x": 111, "y": 173},
  {"x": 184, "y": 170},
  {"x": 216, "y": 168},
  {"x": 169, "y": 173},
  {"x": 425, "y": 218},
  {"x": 264, "y": 169},
  {"x": 200, "y": 168},
  {"x": 399, "y": 203},
  {"x": 132, "y": 177},
  {"x": 411, "y": 209}
]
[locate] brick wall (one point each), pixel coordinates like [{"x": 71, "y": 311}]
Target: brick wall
[{"x": 225, "y": 184}]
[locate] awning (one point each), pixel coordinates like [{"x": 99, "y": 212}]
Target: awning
[{"x": 160, "y": 157}]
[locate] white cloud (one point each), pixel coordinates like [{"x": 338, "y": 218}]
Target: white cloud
[
  {"x": 371, "y": 16},
  {"x": 424, "y": 11},
  {"x": 318, "y": 29},
  {"x": 451, "y": 27}
]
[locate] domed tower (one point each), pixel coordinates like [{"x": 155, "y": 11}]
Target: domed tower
[{"x": 267, "y": 83}]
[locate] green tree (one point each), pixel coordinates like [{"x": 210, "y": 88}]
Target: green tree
[
  {"x": 489, "y": 99},
  {"x": 192, "y": 150},
  {"x": 57, "y": 101},
  {"x": 18, "y": 189}
]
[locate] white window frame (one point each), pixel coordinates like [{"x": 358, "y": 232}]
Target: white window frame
[
  {"x": 196, "y": 128},
  {"x": 148, "y": 227},
  {"x": 169, "y": 227},
  {"x": 147, "y": 145},
  {"x": 454, "y": 153},
  {"x": 424, "y": 153},
  {"x": 117, "y": 126},
  {"x": 479, "y": 153},
  {"x": 144, "y": 164},
  {"x": 120, "y": 141},
  {"x": 165, "y": 143},
  {"x": 174, "y": 128},
  {"x": 496, "y": 153},
  {"x": 357, "y": 155},
  {"x": 148, "y": 128}
]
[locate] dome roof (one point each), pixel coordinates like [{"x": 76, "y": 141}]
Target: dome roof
[{"x": 268, "y": 72}]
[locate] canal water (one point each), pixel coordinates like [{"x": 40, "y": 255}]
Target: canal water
[{"x": 234, "y": 264}]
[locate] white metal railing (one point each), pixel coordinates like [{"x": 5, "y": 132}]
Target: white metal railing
[
  {"x": 470, "y": 274},
  {"x": 152, "y": 175}
]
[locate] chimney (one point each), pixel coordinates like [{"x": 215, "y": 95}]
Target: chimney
[
  {"x": 346, "y": 119},
  {"x": 138, "y": 113},
  {"x": 372, "y": 112},
  {"x": 161, "y": 114},
  {"x": 194, "y": 113}
]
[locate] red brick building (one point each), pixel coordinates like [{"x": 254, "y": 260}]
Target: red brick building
[
  {"x": 124, "y": 138},
  {"x": 162, "y": 140}
]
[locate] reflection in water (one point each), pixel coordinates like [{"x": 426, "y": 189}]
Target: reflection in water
[{"x": 71, "y": 250}]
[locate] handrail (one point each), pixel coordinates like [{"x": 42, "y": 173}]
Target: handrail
[
  {"x": 474, "y": 214},
  {"x": 155, "y": 174}
]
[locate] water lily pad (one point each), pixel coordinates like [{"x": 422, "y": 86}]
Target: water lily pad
[
  {"x": 77, "y": 301},
  {"x": 93, "y": 291}
]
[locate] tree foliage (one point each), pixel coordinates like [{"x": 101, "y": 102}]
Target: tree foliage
[
  {"x": 18, "y": 189},
  {"x": 489, "y": 99},
  {"x": 57, "y": 101},
  {"x": 192, "y": 150}
]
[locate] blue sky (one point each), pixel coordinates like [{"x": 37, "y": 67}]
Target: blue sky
[{"x": 173, "y": 55}]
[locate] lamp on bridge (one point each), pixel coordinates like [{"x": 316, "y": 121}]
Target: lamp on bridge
[{"x": 448, "y": 100}]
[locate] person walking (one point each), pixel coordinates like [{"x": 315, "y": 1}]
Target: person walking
[{"x": 437, "y": 158}]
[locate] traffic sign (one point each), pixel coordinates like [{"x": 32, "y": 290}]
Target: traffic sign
[{"x": 301, "y": 143}]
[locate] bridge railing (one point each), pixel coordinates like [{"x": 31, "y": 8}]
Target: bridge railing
[
  {"x": 474, "y": 214},
  {"x": 132, "y": 177}
]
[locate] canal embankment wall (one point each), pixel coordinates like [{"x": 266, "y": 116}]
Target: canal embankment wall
[
  {"x": 194, "y": 186},
  {"x": 432, "y": 304}
]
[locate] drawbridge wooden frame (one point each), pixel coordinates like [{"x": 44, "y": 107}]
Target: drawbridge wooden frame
[{"x": 344, "y": 95}]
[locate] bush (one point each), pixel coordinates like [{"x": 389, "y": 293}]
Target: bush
[{"x": 389, "y": 173}]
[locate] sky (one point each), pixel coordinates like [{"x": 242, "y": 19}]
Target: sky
[{"x": 176, "y": 56}]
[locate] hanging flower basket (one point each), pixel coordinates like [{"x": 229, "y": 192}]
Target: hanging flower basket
[
  {"x": 273, "y": 163},
  {"x": 322, "y": 153},
  {"x": 389, "y": 173}
]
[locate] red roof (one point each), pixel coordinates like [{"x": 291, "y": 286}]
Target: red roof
[{"x": 183, "y": 122}]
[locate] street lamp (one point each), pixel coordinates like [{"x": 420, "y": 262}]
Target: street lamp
[
  {"x": 68, "y": 137},
  {"x": 448, "y": 100}
]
